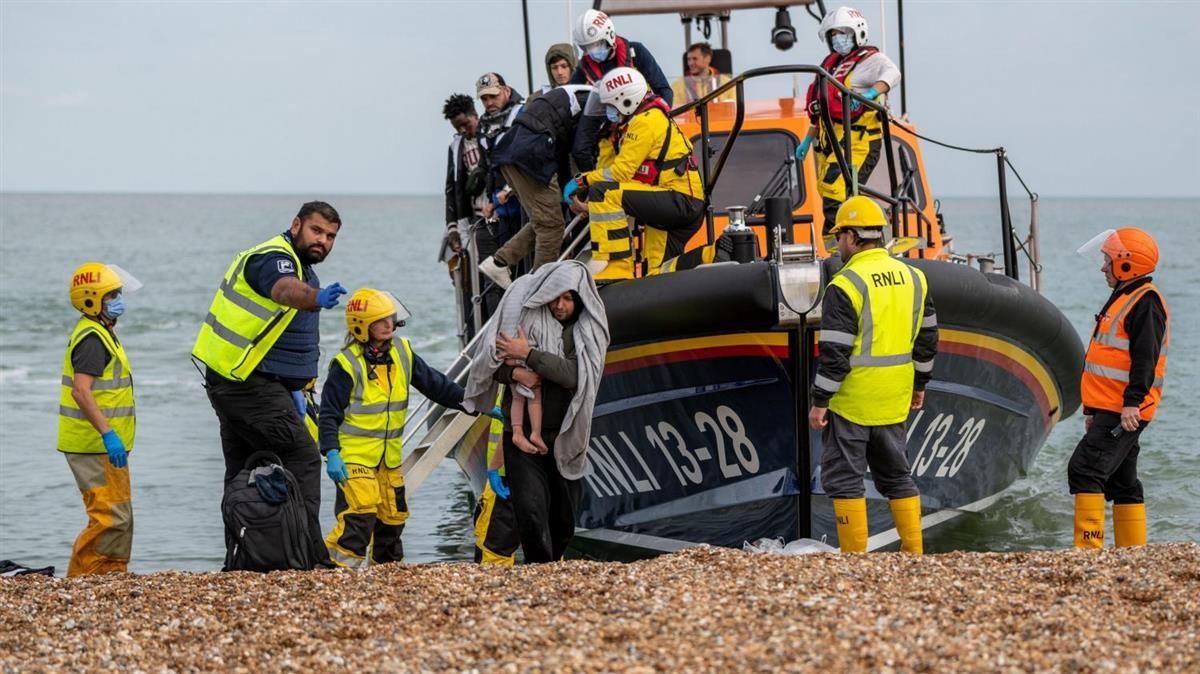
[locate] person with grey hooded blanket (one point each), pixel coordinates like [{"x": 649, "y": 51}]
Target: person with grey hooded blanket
[{"x": 558, "y": 299}]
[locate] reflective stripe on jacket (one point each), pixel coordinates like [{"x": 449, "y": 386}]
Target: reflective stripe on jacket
[
  {"x": 1107, "y": 363},
  {"x": 113, "y": 391},
  {"x": 641, "y": 140},
  {"x": 889, "y": 297},
  {"x": 241, "y": 325},
  {"x": 373, "y": 428}
]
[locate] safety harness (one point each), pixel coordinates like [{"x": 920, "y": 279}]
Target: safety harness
[
  {"x": 839, "y": 67},
  {"x": 651, "y": 169}
]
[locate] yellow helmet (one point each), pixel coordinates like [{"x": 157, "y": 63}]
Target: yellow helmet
[
  {"x": 859, "y": 212},
  {"x": 90, "y": 283},
  {"x": 368, "y": 305}
]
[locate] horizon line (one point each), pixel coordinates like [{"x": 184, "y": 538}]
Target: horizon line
[{"x": 83, "y": 193}]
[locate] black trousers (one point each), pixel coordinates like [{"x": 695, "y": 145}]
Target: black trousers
[
  {"x": 1108, "y": 465},
  {"x": 543, "y": 500},
  {"x": 258, "y": 414}
]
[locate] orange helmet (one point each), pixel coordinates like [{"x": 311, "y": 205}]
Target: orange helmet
[{"x": 1132, "y": 251}]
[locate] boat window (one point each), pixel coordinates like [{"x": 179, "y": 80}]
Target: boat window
[
  {"x": 757, "y": 160},
  {"x": 906, "y": 169}
]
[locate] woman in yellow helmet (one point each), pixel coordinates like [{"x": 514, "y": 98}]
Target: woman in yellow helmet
[
  {"x": 364, "y": 405},
  {"x": 96, "y": 418}
]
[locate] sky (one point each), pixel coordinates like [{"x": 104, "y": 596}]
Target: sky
[{"x": 1091, "y": 98}]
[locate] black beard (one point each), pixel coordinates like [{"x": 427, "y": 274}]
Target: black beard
[{"x": 308, "y": 257}]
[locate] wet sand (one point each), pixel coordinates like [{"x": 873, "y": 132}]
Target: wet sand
[{"x": 701, "y": 610}]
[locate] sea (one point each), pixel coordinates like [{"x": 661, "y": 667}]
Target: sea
[{"x": 178, "y": 246}]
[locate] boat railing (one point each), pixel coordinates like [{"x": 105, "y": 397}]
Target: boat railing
[{"x": 902, "y": 192}]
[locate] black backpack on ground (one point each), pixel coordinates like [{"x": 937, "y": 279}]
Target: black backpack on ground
[{"x": 266, "y": 523}]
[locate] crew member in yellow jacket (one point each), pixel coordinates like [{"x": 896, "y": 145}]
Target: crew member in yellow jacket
[
  {"x": 364, "y": 406},
  {"x": 878, "y": 341},
  {"x": 96, "y": 418},
  {"x": 652, "y": 178}
]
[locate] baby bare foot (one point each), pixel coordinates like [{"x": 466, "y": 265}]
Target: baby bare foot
[
  {"x": 523, "y": 443},
  {"x": 536, "y": 439}
]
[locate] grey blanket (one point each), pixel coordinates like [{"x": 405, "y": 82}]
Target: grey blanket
[{"x": 525, "y": 303}]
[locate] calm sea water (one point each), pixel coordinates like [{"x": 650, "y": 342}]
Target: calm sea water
[{"x": 179, "y": 246}]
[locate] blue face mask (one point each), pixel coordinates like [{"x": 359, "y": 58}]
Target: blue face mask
[
  {"x": 842, "y": 43},
  {"x": 611, "y": 112},
  {"x": 599, "y": 53},
  {"x": 115, "y": 307}
]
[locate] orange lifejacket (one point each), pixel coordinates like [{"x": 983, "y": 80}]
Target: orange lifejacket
[{"x": 1106, "y": 366}]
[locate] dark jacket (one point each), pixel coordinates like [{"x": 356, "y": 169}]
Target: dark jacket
[
  {"x": 461, "y": 187},
  {"x": 644, "y": 62},
  {"x": 1145, "y": 323},
  {"x": 543, "y": 132},
  {"x": 560, "y": 377}
]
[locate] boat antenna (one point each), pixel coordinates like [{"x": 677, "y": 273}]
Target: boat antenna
[
  {"x": 903, "y": 75},
  {"x": 528, "y": 56}
]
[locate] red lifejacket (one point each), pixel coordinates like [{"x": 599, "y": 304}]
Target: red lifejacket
[
  {"x": 650, "y": 170},
  {"x": 625, "y": 56},
  {"x": 840, "y": 67}
]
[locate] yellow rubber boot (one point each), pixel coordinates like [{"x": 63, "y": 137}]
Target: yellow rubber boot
[
  {"x": 1089, "y": 521},
  {"x": 851, "y": 516},
  {"x": 617, "y": 270},
  {"x": 1129, "y": 524},
  {"x": 907, "y": 514}
]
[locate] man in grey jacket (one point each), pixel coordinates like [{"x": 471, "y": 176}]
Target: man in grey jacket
[{"x": 544, "y": 500}]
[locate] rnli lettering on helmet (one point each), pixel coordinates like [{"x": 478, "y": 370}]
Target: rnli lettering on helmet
[
  {"x": 855, "y": 13},
  {"x": 356, "y": 305},
  {"x": 598, "y": 20},
  {"x": 85, "y": 278},
  {"x": 618, "y": 81}
]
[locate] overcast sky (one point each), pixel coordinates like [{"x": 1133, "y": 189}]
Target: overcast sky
[{"x": 1091, "y": 98}]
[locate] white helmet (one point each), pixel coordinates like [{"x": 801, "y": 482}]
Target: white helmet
[
  {"x": 624, "y": 89},
  {"x": 594, "y": 26},
  {"x": 842, "y": 18}
]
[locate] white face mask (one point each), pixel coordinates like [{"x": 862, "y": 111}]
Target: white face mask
[{"x": 842, "y": 43}]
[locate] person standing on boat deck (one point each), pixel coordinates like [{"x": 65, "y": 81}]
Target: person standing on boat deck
[
  {"x": 465, "y": 171},
  {"x": 878, "y": 340},
  {"x": 701, "y": 79},
  {"x": 1122, "y": 384},
  {"x": 653, "y": 178},
  {"x": 260, "y": 345},
  {"x": 501, "y": 105},
  {"x": 560, "y": 65},
  {"x": 364, "y": 406},
  {"x": 603, "y": 50},
  {"x": 96, "y": 420},
  {"x": 529, "y": 157},
  {"x": 864, "y": 70}
]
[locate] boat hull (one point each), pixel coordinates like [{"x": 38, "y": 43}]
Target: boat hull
[{"x": 699, "y": 435}]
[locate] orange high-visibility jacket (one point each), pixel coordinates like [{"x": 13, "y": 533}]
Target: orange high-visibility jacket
[{"x": 1107, "y": 364}]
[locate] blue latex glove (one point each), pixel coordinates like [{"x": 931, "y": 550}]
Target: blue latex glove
[
  {"x": 497, "y": 484},
  {"x": 117, "y": 455},
  {"x": 802, "y": 148},
  {"x": 328, "y": 296},
  {"x": 300, "y": 403},
  {"x": 335, "y": 468},
  {"x": 496, "y": 413},
  {"x": 569, "y": 190},
  {"x": 869, "y": 94}
]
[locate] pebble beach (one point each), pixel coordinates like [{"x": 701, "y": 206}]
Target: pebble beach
[{"x": 700, "y": 610}]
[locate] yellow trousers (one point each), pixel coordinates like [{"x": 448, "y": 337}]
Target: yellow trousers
[
  {"x": 670, "y": 217},
  {"x": 103, "y": 546},
  {"x": 496, "y": 536},
  {"x": 371, "y": 510}
]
